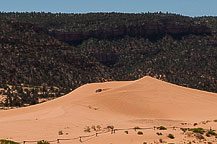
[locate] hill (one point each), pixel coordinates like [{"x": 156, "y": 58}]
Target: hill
[
  {"x": 45, "y": 55},
  {"x": 146, "y": 102}
]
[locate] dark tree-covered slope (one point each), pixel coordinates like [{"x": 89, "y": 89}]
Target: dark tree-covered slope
[{"x": 48, "y": 55}]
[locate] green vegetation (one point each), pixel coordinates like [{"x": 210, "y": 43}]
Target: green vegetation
[
  {"x": 144, "y": 142},
  {"x": 199, "y": 136},
  {"x": 184, "y": 129},
  {"x": 126, "y": 132},
  {"x": 211, "y": 132},
  {"x": 171, "y": 136},
  {"x": 3, "y": 141},
  {"x": 208, "y": 135},
  {"x": 87, "y": 129},
  {"x": 43, "y": 142},
  {"x": 197, "y": 130},
  {"x": 162, "y": 128},
  {"x": 45, "y": 55},
  {"x": 140, "y": 133}
]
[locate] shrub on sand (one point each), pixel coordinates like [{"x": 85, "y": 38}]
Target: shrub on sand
[
  {"x": 159, "y": 133},
  {"x": 87, "y": 129},
  {"x": 98, "y": 127},
  {"x": 199, "y": 136},
  {"x": 197, "y": 130},
  {"x": 171, "y": 136},
  {"x": 211, "y": 132},
  {"x": 43, "y": 142},
  {"x": 60, "y": 132},
  {"x": 3, "y": 141},
  {"x": 162, "y": 128},
  {"x": 184, "y": 129},
  {"x": 137, "y": 128},
  {"x": 110, "y": 127}
]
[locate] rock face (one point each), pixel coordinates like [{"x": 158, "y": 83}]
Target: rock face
[{"x": 147, "y": 29}]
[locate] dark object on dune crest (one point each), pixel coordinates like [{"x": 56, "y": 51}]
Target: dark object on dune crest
[{"x": 98, "y": 90}]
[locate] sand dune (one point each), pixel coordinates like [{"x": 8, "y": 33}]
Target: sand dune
[{"x": 146, "y": 102}]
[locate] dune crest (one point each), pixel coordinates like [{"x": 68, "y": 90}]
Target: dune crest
[{"x": 152, "y": 98}]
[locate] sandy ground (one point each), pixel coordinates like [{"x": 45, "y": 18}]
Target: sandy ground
[{"x": 145, "y": 103}]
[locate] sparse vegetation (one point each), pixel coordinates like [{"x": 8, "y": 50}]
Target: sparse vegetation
[
  {"x": 208, "y": 135},
  {"x": 98, "y": 127},
  {"x": 60, "y": 132},
  {"x": 136, "y": 128},
  {"x": 171, "y": 136},
  {"x": 162, "y": 128},
  {"x": 43, "y": 142},
  {"x": 197, "y": 130},
  {"x": 211, "y": 132},
  {"x": 184, "y": 129},
  {"x": 126, "y": 132},
  {"x": 199, "y": 136},
  {"x": 158, "y": 133},
  {"x": 110, "y": 127},
  {"x": 3, "y": 141},
  {"x": 93, "y": 127},
  {"x": 140, "y": 133},
  {"x": 161, "y": 140},
  {"x": 87, "y": 129}
]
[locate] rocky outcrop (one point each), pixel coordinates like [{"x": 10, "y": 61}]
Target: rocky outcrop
[{"x": 147, "y": 29}]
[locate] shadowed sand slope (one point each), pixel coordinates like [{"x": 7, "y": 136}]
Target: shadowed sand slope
[{"x": 118, "y": 103}]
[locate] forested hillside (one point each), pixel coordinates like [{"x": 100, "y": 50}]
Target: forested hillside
[{"x": 45, "y": 55}]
